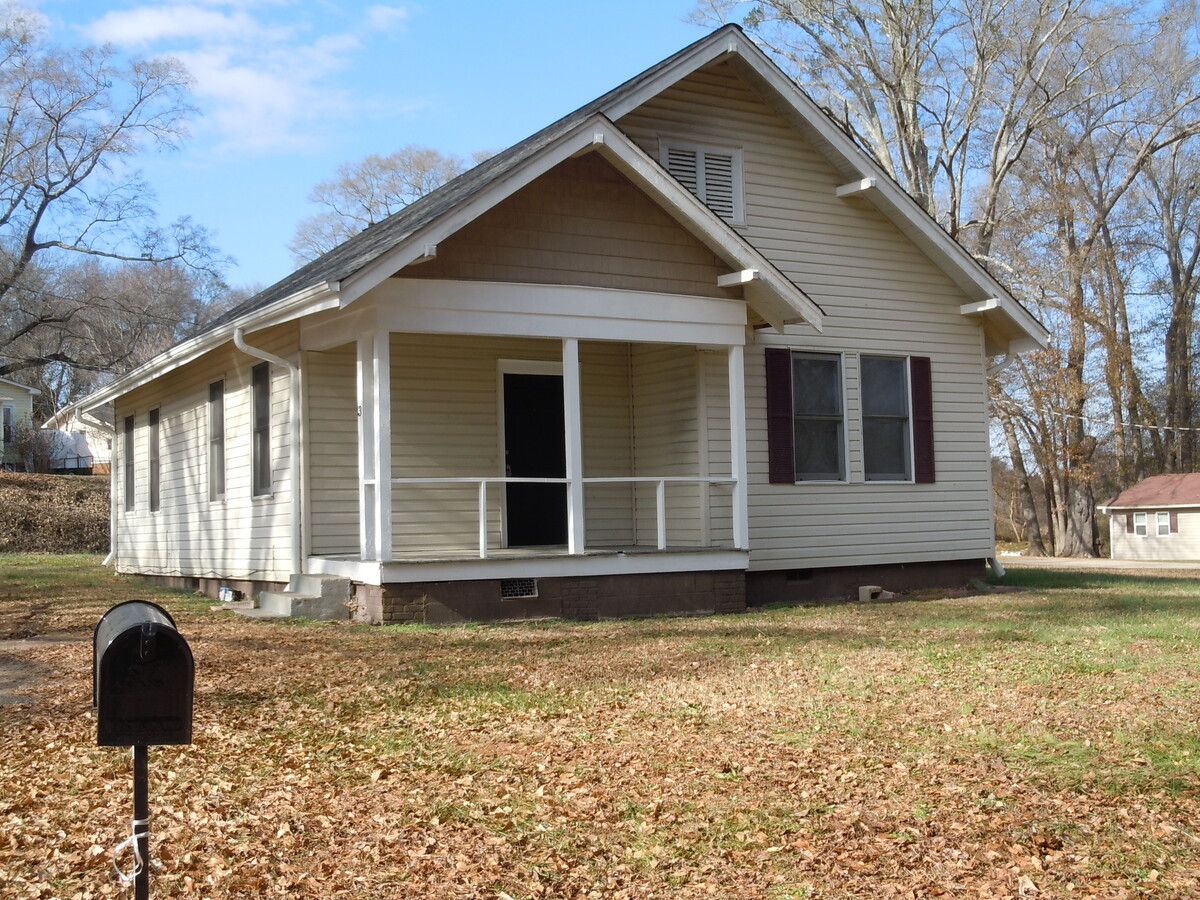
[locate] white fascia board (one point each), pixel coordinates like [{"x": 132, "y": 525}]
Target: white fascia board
[
  {"x": 302, "y": 303},
  {"x": 790, "y": 304},
  {"x": 1147, "y": 508}
]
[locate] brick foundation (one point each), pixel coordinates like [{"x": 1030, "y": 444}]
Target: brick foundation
[
  {"x": 839, "y": 584},
  {"x": 585, "y": 598}
]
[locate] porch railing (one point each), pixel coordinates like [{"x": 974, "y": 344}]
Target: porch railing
[{"x": 660, "y": 494}]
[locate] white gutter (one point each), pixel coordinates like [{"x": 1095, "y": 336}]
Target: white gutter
[{"x": 296, "y": 444}]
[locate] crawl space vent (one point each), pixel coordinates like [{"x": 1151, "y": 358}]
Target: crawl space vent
[{"x": 516, "y": 588}]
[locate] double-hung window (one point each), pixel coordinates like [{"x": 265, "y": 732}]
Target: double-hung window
[
  {"x": 155, "y": 465},
  {"x": 818, "y": 422},
  {"x": 127, "y": 461},
  {"x": 887, "y": 440},
  {"x": 1164, "y": 523},
  {"x": 9, "y": 423},
  {"x": 216, "y": 440},
  {"x": 1140, "y": 528},
  {"x": 260, "y": 379}
]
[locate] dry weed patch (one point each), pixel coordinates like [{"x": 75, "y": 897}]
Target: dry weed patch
[{"x": 1033, "y": 744}]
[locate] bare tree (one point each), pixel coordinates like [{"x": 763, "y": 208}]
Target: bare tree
[
  {"x": 73, "y": 120},
  {"x": 368, "y": 191}
]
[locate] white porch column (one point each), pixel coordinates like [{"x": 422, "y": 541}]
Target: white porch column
[
  {"x": 375, "y": 446},
  {"x": 573, "y": 417},
  {"x": 737, "y": 446}
]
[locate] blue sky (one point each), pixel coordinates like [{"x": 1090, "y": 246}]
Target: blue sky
[{"x": 289, "y": 89}]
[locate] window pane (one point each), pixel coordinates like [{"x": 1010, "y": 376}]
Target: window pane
[
  {"x": 884, "y": 386},
  {"x": 816, "y": 385},
  {"x": 819, "y": 449},
  {"x": 1164, "y": 523},
  {"x": 1139, "y": 524},
  {"x": 885, "y": 449}
]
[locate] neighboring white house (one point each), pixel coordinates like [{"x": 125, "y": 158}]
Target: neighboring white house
[
  {"x": 686, "y": 347},
  {"x": 16, "y": 411},
  {"x": 83, "y": 441},
  {"x": 1157, "y": 518}
]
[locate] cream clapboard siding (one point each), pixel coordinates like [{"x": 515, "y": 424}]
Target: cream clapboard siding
[
  {"x": 1183, "y": 544},
  {"x": 607, "y": 413},
  {"x": 239, "y": 537},
  {"x": 581, "y": 223},
  {"x": 331, "y": 401},
  {"x": 666, "y": 435},
  {"x": 21, "y": 402},
  {"x": 880, "y": 296}
]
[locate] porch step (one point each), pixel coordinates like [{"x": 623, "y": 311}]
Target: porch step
[{"x": 322, "y": 597}]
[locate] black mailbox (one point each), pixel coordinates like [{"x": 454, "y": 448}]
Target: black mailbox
[{"x": 142, "y": 677}]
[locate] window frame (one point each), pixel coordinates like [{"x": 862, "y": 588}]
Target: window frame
[
  {"x": 261, "y": 476},
  {"x": 8, "y": 424},
  {"x": 1143, "y": 525},
  {"x": 128, "y": 457},
  {"x": 843, "y": 476},
  {"x": 702, "y": 151},
  {"x": 1161, "y": 518},
  {"x": 216, "y": 441},
  {"x": 154, "y": 457},
  {"x": 909, "y": 460}
]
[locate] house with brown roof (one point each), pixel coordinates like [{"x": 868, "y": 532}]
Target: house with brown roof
[
  {"x": 686, "y": 348},
  {"x": 1157, "y": 518}
]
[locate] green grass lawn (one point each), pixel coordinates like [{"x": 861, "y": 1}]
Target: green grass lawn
[{"x": 1036, "y": 740}]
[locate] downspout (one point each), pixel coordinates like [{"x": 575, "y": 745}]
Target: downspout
[{"x": 295, "y": 443}]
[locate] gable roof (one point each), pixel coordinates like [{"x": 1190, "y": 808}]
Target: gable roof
[
  {"x": 346, "y": 272},
  {"x": 1158, "y": 491},
  {"x": 31, "y": 390}
]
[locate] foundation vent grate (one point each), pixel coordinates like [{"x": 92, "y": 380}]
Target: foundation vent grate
[{"x": 517, "y": 588}]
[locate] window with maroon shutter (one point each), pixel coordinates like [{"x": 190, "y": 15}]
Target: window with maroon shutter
[{"x": 1129, "y": 523}]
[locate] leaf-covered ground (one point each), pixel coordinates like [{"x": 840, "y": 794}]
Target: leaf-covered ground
[{"x": 1037, "y": 743}]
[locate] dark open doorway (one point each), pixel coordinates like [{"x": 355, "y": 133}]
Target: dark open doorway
[{"x": 535, "y": 447}]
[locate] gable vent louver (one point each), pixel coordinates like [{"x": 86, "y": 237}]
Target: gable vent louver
[{"x": 713, "y": 176}]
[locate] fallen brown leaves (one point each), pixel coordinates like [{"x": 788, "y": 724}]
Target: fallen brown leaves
[{"x": 974, "y": 748}]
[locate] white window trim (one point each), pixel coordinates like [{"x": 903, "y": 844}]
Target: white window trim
[
  {"x": 667, "y": 143},
  {"x": 260, "y": 495},
  {"x": 912, "y": 462},
  {"x": 8, "y": 417},
  {"x": 1162, "y": 518},
  {"x": 1143, "y": 524},
  {"x": 213, "y": 495},
  {"x": 841, "y": 356}
]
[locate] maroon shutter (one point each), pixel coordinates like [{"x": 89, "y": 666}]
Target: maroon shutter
[
  {"x": 921, "y": 383},
  {"x": 1174, "y": 523},
  {"x": 1129, "y": 523},
  {"x": 780, "y": 428}
]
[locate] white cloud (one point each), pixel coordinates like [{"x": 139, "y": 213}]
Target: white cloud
[{"x": 267, "y": 72}]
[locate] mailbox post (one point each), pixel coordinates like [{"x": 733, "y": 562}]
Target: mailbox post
[{"x": 143, "y": 677}]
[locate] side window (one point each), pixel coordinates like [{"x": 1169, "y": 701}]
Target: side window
[
  {"x": 155, "y": 466},
  {"x": 216, "y": 440},
  {"x": 261, "y": 391},
  {"x": 887, "y": 441},
  {"x": 1139, "y": 524},
  {"x": 818, "y": 421},
  {"x": 712, "y": 174},
  {"x": 10, "y": 423},
  {"x": 1164, "y": 523},
  {"x": 127, "y": 461}
]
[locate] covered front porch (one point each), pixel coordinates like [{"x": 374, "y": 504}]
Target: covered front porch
[{"x": 482, "y": 454}]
